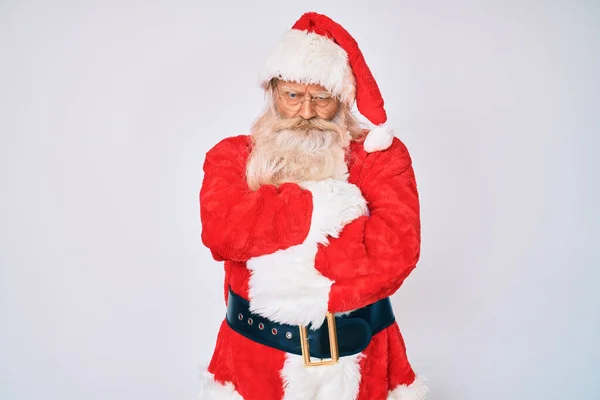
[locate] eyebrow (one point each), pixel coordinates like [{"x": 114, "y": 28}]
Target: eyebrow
[{"x": 290, "y": 89}]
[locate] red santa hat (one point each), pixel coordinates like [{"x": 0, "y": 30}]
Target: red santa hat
[{"x": 318, "y": 50}]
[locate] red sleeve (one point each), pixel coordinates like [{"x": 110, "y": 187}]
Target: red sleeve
[
  {"x": 238, "y": 223},
  {"x": 374, "y": 254}
]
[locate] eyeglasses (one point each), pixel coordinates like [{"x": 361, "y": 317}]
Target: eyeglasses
[{"x": 293, "y": 100}]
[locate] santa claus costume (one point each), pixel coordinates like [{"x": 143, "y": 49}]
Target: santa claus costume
[{"x": 310, "y": 266}]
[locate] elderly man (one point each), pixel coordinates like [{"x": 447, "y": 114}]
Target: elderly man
[{"x": 317, "y": 222}]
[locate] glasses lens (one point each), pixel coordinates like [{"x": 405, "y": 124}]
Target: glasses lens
[
  {"x": 291, "y": 99},
  {"x": 324, "y": 102}
]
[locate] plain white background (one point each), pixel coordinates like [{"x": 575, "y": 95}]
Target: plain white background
[{"x": 108, "y": 107}]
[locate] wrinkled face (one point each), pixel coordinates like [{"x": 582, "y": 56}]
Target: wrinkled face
[
  {"x": 306, "y": 101},
  {"x": 303, "y": 135}
]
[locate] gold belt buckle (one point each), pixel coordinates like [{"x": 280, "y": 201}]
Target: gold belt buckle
[{"x": 333, "y": 344}]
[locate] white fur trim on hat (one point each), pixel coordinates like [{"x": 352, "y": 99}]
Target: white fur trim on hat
[
  {"x": 380, "y": 138},
  {"x": 307, "y": 57}
]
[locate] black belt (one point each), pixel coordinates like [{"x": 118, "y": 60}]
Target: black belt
[{"x": 354, "y": 331}]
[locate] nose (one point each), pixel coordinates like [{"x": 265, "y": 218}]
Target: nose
[{"x": 307, "y": 110}]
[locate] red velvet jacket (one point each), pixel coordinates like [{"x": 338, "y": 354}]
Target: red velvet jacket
[{"x": 300, "y": 250}]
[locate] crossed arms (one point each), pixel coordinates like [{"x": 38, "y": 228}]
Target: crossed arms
[{"x": 367, "y": 261}]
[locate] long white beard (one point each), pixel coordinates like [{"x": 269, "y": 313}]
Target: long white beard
[{"x": 297, "y": 155}]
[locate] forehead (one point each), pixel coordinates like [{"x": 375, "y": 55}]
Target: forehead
[{"x": 301, "y": 87}]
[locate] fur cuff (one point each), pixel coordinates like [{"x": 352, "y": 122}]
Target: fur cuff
[
  {"x": 379, "y": 138},
  {"x": 335, "y": 203},
  {"x": 418, "y": 390}
]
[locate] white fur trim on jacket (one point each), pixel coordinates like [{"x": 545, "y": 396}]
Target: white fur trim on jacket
[
  {"x": 380, "y": 138},
  {"x": 340, "y": 381},
  {"x": 213, "y": 390},
  {"x": 307, "y": 57},
  {"x": 285, "y": 286},
  {"x": 418, "y": 390}
]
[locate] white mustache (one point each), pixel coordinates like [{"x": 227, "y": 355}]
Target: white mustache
[{"x": 301, "y": 124}]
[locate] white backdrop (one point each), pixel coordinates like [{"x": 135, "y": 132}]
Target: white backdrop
[{"x": 108, "y": 107}]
